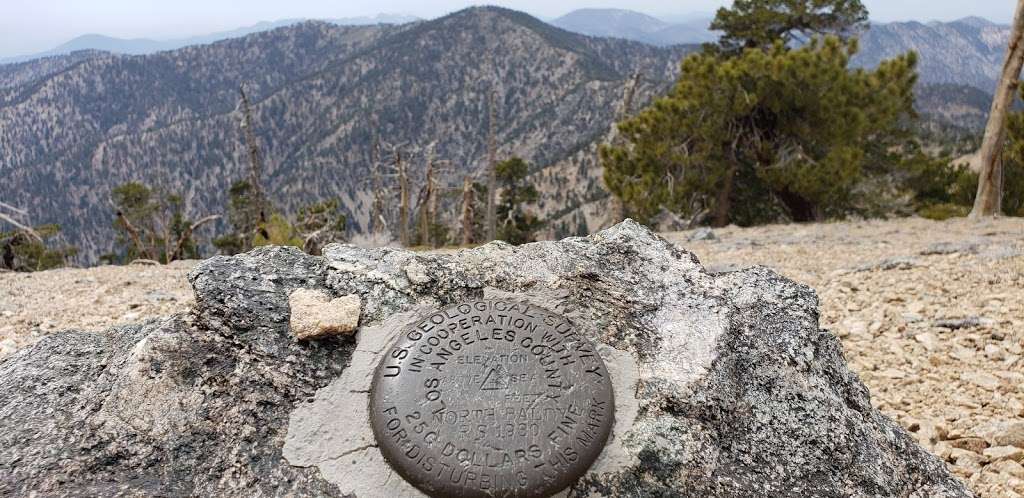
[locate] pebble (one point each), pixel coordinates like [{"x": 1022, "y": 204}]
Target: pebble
[
  {"x": 972, "y": 444},
  {"x": 1005, "y": 433},
  {"x": 997, "y": 453},
  {"x": 315, "y": 315},
  {"x": 981, "y": 379},
  {"x": 928, "y": 340},
  {"x": 1009, "y": 468}
]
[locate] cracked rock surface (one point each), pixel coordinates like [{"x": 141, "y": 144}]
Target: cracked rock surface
[{"x": 725, "y": 384}]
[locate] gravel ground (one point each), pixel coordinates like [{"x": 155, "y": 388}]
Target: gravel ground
[
  {"x": 35, "y": 304},
  {"x": 931, "y": 315}
]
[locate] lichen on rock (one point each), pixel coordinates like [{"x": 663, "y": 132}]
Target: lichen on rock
[{"x": 725, "y": 384}]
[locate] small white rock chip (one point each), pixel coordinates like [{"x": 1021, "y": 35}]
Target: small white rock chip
[
  {"x": 981, "y": 379},
  {"x": 315, "y": 315},
  {"x": 1008, "y": 467},
  {"x": 417, "y": 273},
  {"x": 1006, "y": 433},
  {"x": 997, "y": 453}
]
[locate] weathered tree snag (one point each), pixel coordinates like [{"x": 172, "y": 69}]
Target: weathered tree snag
[
  {"x": 377, "y": 222},
  {"x": 403, "y": 202},
  {"x": 467, "y": 211},
  {"x": 428, "y": 206},
  {"x": 133, "y": 233},
  {"x": 255, "y": 161},
  {"x": 187, "y": 234},
  {"x": 492, "y": 174},
  {"x": 23, "y": 227},
  {"x": 988, "y": 201}
]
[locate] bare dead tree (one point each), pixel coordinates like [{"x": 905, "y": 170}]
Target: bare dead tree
[
  {"x": 435, "y": 183},
  {"x": 432, "y": 194},
  {"x": 467, "y": 210},
  {"x": 141, "y": 249},
  {"x": 428, "y": 203},
  {"x": 155, "y": 233},
  {"x": 403, "y": 196},
  {"x": 492, "y": 173},
  {"x": 377, "y": 220},
  {"x": 8, "y": 214},
  {"x": 11, "y": 210},
  {"x": 988, "y": 201},
  {"x": 255, "y": 160},
  {"x": 186, "y": 234}
]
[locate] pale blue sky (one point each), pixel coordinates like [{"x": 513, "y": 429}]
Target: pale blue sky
[{"x": 28, "y": 26}]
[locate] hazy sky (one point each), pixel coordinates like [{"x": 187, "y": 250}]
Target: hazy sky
[{"x": 28, "y": 26}]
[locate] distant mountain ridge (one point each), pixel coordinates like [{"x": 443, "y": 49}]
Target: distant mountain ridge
[
  {"x": 631, "y": 25},
  {"x": 142, "y": 46},
  {"x": 76, "y": 126},
  {"x": 968, "y": 51}
]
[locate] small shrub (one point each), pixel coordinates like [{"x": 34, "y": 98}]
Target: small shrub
[{"x": 943, "y": 211}]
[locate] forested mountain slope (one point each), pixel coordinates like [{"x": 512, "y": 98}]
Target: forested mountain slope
[{"x": 320, "y": 93}]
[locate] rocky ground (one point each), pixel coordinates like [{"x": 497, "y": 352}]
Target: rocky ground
[
  {"x": 931, "y": 315},
  {"x": 35, "y": 304}
]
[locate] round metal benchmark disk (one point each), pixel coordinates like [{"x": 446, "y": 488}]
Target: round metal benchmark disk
[{"x": 491, "y": 398}]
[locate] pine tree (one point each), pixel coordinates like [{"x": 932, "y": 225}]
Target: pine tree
[
  {"x": 515, "y": 224},
  {"x": 762, "y": 23},
  {"x": 277, "y": 231},
  {"x": 151, "y": 224},
  {"x": 244, "y": 214},
  {"x": 762, "y": 135},
  {"x": 319, "y": 224},
  {"x": 35, "y": 249}
]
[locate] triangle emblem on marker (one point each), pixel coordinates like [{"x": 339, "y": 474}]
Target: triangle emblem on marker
[{"x": 497, "y": 379}]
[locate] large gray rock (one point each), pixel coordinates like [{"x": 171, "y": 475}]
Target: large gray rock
[{"x": 725, "y": 385}]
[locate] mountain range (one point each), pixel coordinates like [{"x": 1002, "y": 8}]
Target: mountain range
[
  {"x": 73, "y": 127},
  {"x": 967, "y": 51},
  {"x": 140, "y": 46},
  {"x": 630, "y": 25}
]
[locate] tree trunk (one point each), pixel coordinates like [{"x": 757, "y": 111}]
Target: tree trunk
[
  {"x": 467, "y": 211},
  {"x": 425, "y": 216},
  {"x": 800, "y": 209},
  {"x": 988, "y": 201},
  {"x": 432, "y": 206},
  {"x": 403, "y": 207},
  {"x": 492, "y": 175},
  {"x": 377, "y": 212},
  {"x": 255, "y": 161},
  {"x": 724, "y": 202},
  {"x": 617, "y": 209}
]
